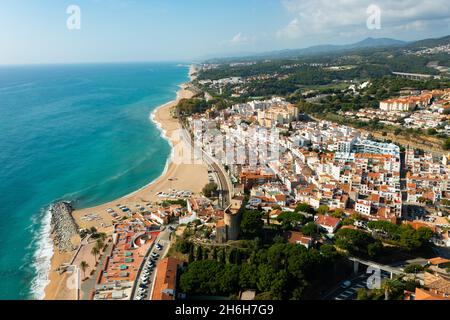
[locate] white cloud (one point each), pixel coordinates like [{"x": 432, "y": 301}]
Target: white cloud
[
  {"x": 325, "y": 17},
  {"x": 291, "y": 31},
  {"x": 238, "y": 39}
]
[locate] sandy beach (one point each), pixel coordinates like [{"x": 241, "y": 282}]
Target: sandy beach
[{"x": 188, "y": 177}]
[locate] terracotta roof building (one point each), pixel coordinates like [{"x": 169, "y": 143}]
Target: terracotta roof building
[
  {"x": 166, "y": 279},
  {"x": 294, "y": 237},
  {"x": 422, "y": 294},
  {"x": 330, "y": 224}
]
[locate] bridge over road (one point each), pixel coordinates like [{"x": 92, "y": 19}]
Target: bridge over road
[{"x": 392, "y": 270}]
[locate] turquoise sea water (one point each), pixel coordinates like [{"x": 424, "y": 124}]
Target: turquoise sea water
[{"x": 74, "y": 132}]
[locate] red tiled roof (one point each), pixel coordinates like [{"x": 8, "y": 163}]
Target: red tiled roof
[
  {"x": 166, "y": 277},
  {"x": 422, "y": 294},
  {"x": 327, "y": 221},
  {"x": 294, "y": 237},
  {"x": 438, "y": 260}
]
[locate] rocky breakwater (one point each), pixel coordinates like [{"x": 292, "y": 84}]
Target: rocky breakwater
[{"x": 64, "y": 228}]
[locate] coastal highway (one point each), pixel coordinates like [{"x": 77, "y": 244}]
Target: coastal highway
[{"x": 224, "y": 181}]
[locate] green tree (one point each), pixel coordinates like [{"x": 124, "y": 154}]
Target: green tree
[
  {"x": 290, "y": 219},
  {"x": 199, "y": 253},
  {"x": 384, "y": 226},
  {"x": 338, "y": 213},
  {"x": 183, "y": 246},
  {"x": 210, "y": 277},
  {"x": 431, "y": 131},
  {"x": 214, "y": 255},
  {"x": 310, "y": 229},
  {"x": 248, "y": 276},
  {"x": 99, "y": 244},
  {"x": 221, "y": 255},
  {"x": 303, "y": 207},
  {"x": 84, "y": 265},
  {"x": 210, "y": 189},
  {"x": 279, "y": 285},
  {"x": 205, "y": 253},
  {"x": 323, "y": 210},
  {"x": 414, "y": 268},
  {"x": 446, "y": 144},
  {"x": 390, "y": 287},
  {"x": 266, "y": 274},
  {"x": 95, "y": 251},
  {"x": 264, "y": 296},
  {"x": 411, "y": 239},
  {"x": 374, "y": 249},
  {"x": 251, "y": 224},
  {"x": 229, "y": 278},
  {"x": 200, "y": 277},
  {"x": 191, "y": 256},
  {"x": 357, "y": 243},
  {"x": 102, "y": 236}
]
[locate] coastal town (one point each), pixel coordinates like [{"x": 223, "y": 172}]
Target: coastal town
[
  {"x": 427, "y": 110},
  {"x": 266, "y": 170},
  {"x": 225, "y": 159}
]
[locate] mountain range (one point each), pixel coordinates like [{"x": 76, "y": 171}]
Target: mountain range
[
  {"x": 366, "y": 43},
  {"x": 329, "y": 48}
]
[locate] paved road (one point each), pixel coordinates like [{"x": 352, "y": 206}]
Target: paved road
[{"x": 164, "y": 240}]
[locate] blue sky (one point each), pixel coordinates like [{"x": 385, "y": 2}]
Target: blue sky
[{"x": 157, "y": 30}]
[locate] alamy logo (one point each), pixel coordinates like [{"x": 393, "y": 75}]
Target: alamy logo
[
  {"x": 253, "y": 146},
  {"x": 374, "y": 19},
  {"x": 74, "y": 19},
  {"x": 73, "y": 281},
  {"x": 374, "y": 280}
]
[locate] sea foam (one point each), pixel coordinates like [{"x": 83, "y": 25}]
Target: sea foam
[{"x": 42, "y": 257}]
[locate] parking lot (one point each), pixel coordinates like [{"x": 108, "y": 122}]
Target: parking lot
[
  {"x": 345, "y": 292},
  {"x": 148, "y": 273},
  {"x": 144, "y": 282}
]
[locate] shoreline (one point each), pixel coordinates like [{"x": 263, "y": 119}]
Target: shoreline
[{"x": 192, "y": 177}]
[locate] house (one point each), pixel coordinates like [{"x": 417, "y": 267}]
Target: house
[
  {"x": 160, "y": 216},
  {"x": 423, "y": 294},
  {"x": 250, "y": 178},
  {"x": 363, "y": 207},
  {"x": 294, "y": 237},
  {"x": 166, "y": 279},
  {"x": 439, "y": 262},
  {"x": 280, "y": 199},
  {"x": 327, "y": 223},
  {"x": 437, "y": 283}
]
